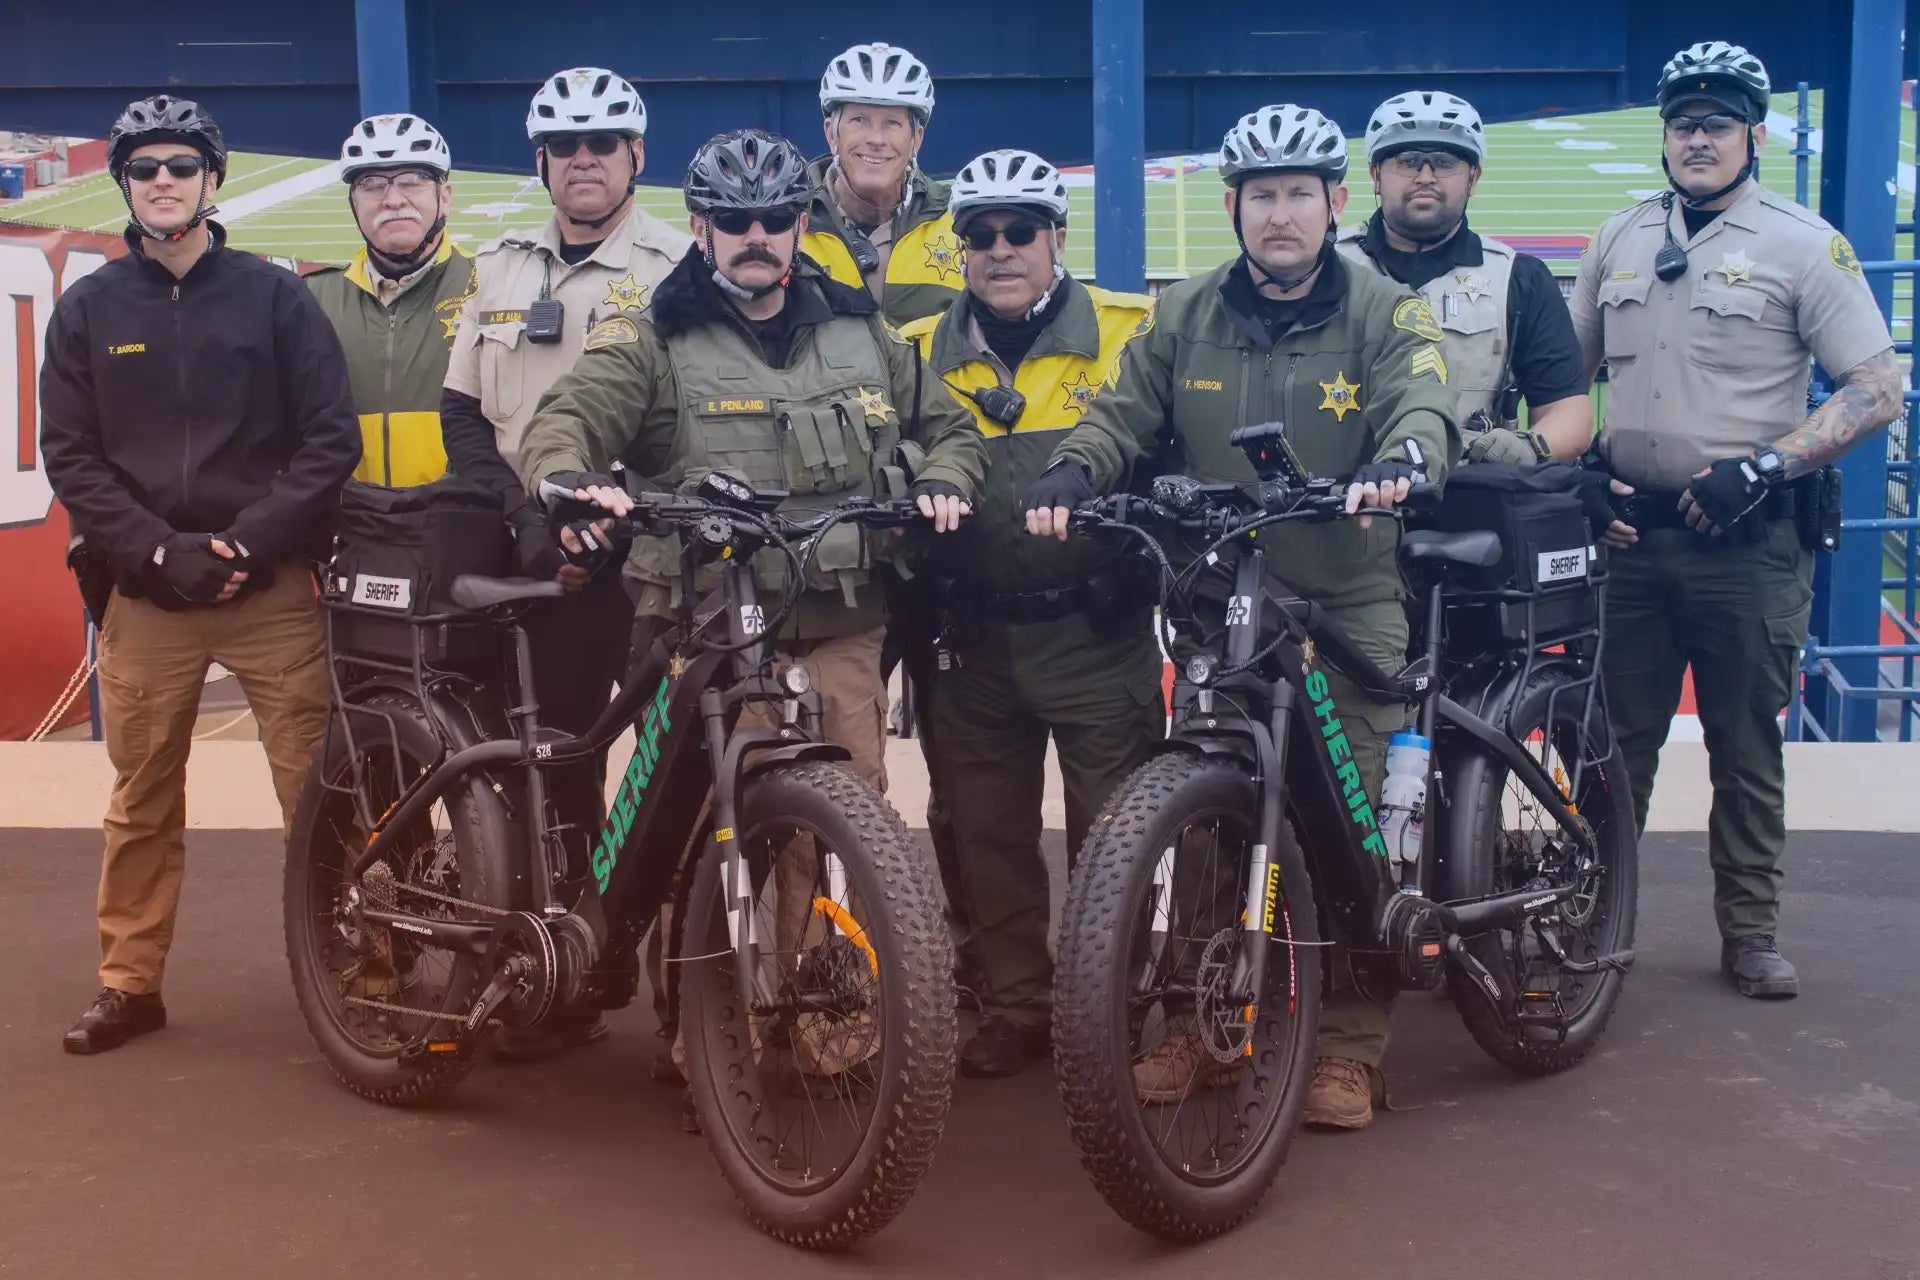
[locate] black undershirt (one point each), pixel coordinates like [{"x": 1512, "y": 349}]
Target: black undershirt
[
  {"x": 775, "y": 336},
  {"x": 1697, "y": 220},
  {"x": 1010, "y": 340},
  {"x": 575, "y": 254}
]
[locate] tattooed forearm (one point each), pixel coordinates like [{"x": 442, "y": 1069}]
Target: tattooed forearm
[{"x": 1867, "y": 398}]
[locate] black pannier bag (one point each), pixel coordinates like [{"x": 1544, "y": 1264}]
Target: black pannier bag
[
  {"x": 1546, "y": 584},
  {"x": 396, "y": 554}
]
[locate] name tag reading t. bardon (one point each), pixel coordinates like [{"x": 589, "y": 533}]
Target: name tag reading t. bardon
[{"x": 737, "y": 404}]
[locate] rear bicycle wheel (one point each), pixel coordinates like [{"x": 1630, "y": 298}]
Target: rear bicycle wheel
[
  {"x": 374, "y": 998},
  {"x": 1506, "y": 841},
  {"x": 1183, "y": 1103},
  {"x": 824, "y": 1099}
]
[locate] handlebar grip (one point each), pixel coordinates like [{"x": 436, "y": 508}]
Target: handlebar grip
[{"x": 1422, "y": 498}]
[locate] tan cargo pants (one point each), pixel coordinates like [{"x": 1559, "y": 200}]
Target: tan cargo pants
[{"x": 153, "y": 666}]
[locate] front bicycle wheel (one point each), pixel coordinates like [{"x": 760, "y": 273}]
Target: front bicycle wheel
[
  {"x": 1183, "y": 1098},
  {"x": 823, "y": 1097},
  {"x": 1505, "y": 841}
]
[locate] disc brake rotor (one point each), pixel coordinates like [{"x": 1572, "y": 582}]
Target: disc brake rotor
[{"x": 1225, "y": 1027}]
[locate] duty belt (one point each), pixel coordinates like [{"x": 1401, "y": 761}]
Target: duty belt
[{"x": 1660, "y": 508}]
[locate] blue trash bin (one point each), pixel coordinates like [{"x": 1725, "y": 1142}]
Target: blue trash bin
[{"x": 13, "y": 181}]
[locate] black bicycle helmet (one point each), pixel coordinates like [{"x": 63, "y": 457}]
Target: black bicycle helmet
[
  {"x": 164, "y": 118},
  {"x": 747, "y": 169}
]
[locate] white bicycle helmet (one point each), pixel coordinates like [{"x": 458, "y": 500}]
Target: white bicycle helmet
[
  {"x": 1426, "y": 117},
  {"x": 394, "y": 142},
  {"x": 1008, "y": 179},
  {"x": 1715, "y": 69},
  {"x": 1283, "y": 138},
  {"x": 882, "y": 75},
  {"x": 586, "y": 100}
]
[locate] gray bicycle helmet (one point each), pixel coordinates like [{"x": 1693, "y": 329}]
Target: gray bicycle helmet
[
  {"x": 1724, "y": 73},
  {"x": 1280, "y": 139},
  {"x": 747, "y": 169}
]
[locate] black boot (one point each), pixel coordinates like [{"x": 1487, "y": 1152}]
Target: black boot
[
  {"x": 568, "y": 1030},
  {"x": 1002, "y": 1047},
  {"x": 1756, "y": 966},
  {"x": 114, "y": 1018}
]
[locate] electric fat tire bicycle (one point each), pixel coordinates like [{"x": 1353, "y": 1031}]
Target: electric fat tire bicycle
[
  {"x": 1231, "y": 874},
  {"x": 434, "y": 895}
]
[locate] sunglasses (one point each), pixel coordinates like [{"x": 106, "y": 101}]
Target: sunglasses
[
  {"x": 1018, "y": 234},
  {"x": 147, "y": 168},
  {"x": 737, "y": 222},
  {"x": 1441, "y": 162},
  {"x": 567, "y": 145},
  {"x": 1714, "y": 126}
]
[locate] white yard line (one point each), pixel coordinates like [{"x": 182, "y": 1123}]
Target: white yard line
[{"x": 279, "y": 192}]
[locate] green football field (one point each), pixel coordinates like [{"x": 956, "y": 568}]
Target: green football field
[{"x": 1562, "y": 176}]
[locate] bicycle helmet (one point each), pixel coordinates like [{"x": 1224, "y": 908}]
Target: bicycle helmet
[
  {"x": 394, "y": 142},
  {"x": 1713, "y": 69},
  {"x": 1008, "y": 179},
  {"x": 882, "y": 75},
  {"x": 1426, "y": 117},
  {"x": 747, "y": 169},
  {"x": 1281, "y": 139},
  {"x": 586, "y": 100}
]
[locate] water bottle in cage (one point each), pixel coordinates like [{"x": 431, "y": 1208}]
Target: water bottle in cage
[{"x": 1403, "y": 805}]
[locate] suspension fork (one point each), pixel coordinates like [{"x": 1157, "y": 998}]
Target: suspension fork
[
  {"x": 1263, "y": 870},
  {"x": 745, "y": 622}
]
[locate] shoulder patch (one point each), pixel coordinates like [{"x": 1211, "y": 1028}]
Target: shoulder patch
[
  {"x": 1416, "y": 317},
  {"x": 1842, "y": 255},
  {"x": 612, "y": 332}
]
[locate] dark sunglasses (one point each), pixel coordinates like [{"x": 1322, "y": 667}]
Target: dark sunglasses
[
  {"x": 1018, "y": 234},
  {"x": 737, "y": 222},
  {"x": 147, "y": 168},
  {"x": 567, "y": 145}
]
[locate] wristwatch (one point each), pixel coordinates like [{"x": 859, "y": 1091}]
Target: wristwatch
[{"x": 1771, "y": 466}]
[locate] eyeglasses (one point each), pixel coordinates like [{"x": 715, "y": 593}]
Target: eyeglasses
[
  {"x": 1018, "y": 234},
  {"x": 184, "y": 166},
  {"x": 566, "y": 146},
  {"x": 737, "y": 222},
  {"x": 1442, "y": 163},
  {"x": 410, "y": 183},
  {"x": 1714, "y": 126}
]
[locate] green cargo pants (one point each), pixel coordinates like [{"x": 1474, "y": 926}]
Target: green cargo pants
[
  {"x": 1097, "y": 692},
  {"x": 1350, "y": 1026},
  {"x": 1738, "y": 615}
]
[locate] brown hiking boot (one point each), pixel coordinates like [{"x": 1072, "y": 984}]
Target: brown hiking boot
[
  {"x": 1176, "y": 1067},
  {"x": 1341, "y": 1095}
]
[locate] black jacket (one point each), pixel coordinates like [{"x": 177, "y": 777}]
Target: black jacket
[{"x": 216, "y": 403}]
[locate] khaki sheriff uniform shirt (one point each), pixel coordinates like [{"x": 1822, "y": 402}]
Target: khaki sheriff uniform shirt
[
  {"x": 1715, "y": 364},
  {"x": 492, "y": 360}
]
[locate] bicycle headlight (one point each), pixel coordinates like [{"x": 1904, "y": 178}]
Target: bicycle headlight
[
  {"x": 1200, "y": 669},
  {"x": 797, "y": 679}
]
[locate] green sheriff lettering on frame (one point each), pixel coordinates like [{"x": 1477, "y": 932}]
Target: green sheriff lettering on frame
[
  {"x": 646, "y": 754},
  {"x": 1340, "y": 753}
]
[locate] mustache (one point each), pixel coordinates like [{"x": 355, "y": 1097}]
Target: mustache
[
  {"x": 396, "y": 215},
  {"x": 753, "y": 253},
  {"x": 1006, "y": 271}
]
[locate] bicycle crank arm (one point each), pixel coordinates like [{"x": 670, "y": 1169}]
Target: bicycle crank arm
[
  {"x": 1502, "y": 910},
  {"x": 451, "y": 935}
]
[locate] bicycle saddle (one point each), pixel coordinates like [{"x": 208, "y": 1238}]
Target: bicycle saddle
[
  {"x": 1427, "y": 548},
  {"x": 478, "y": 594}
]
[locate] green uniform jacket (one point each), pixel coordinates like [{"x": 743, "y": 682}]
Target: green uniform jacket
[
  {"x": 1059, "y": 378},
  {"x": 622, "y": 400},
  {"x": 397, "y": 358},
  {"x": 1352, "y": 381},
  {"x": 923, "y": 274}
]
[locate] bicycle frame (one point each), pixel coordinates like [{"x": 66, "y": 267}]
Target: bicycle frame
[{"x": 1301, "y": 717}]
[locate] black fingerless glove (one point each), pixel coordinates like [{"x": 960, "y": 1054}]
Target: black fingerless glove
[
  {"x": 937, "y": 489},
  {"x": 1064, "y": 484},
  {"x": 185, "y": 566},
  {"x": 1386, "y": 473},
  {"x": 1731, "y": 488}
]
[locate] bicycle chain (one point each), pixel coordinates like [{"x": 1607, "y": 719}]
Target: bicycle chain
[
  {"x": 408, "y": 887},
  {"x": 384, "y": 1007}
]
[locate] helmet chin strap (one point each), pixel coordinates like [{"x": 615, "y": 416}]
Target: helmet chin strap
[
  {"x": 740, "y": 292},
  {"x": 1696, "y": 202},
  {"x": 404, "y": 263},
  {"x": 200, "y": 211},
  {"x": 592, "y": 224},
  {"x": 835, "y": 170},
  {"x": 1059, "y": 274}
]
